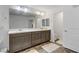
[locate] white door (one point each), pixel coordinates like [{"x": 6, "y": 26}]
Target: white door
[
  {"x": 58, "y": 25},
  {"x": 71, "y": 28}
]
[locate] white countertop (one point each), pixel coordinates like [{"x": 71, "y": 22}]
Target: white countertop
[{"x": 13, "y": 31}]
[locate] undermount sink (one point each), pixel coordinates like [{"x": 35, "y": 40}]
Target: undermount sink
[{"x": 20, "y": 29}]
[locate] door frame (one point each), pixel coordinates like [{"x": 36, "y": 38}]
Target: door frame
[{"x": 54, "y": 15}]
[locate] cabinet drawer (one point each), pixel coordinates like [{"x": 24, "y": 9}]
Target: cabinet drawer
[{"x": 17, "y": 35}]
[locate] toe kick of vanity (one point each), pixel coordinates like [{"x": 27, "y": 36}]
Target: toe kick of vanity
[{"x": 23, "y": 40}]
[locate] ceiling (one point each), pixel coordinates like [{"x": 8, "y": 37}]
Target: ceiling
[
  {"x": 48, "y": 8},
  {"x": 51, "y": 9}
]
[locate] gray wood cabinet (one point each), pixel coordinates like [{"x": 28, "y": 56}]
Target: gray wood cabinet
[
  {"x": 47, "y": 35},
  {"x": 21, "y": 41},
  {"x": 36, "y": 38},
  {"x": 43, "y": 36},
  {"x": 40, "y": 37}
]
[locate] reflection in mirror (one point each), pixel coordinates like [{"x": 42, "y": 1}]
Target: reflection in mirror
[
  {"x": 22, "y": 17},
  {"x": 45, "y": 22}
]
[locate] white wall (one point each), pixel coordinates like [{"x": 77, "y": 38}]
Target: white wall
[
  {"x": 4, "y": 25},
  {"x": 19, "y": 21},
  {"x": 50, "y": 16},
  {"x": 58, "y": 25}
]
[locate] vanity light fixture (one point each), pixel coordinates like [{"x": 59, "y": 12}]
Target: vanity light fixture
[
  {"x": 18, "y": 8},
  {"x": 42, "y": 13},
  {"x": 37, "y": 12},
  {"x": 25, "y": 9}
]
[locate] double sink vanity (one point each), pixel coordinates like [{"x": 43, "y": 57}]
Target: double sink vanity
[
  {"x": 25, "y": 38},
  {"x": 27, "y": 29}
]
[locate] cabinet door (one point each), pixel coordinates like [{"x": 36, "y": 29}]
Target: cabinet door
[
  {"x": 10, "y": 43},
  {"x": 47, "y": 35},
  {"x": 16, "y": 43},
  {"x": 36, "y": 38},
  {"x": 43, "y": 36},
  {"x": 27, "y": 40}
]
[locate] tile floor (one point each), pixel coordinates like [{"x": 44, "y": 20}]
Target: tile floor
[{"x": 47, "y": 47}]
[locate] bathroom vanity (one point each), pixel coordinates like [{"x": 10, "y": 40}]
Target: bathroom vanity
[
  {"x": 27, "y": 29},
  {"x": 19, "y": 40}
]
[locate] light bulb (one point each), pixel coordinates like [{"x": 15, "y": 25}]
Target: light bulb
[
  {"x": 18, "y": 8},
  {"x": 25, "y": 9},
  {"x": 38, "y": 13},
  {"x": 42, "y": 13}
]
